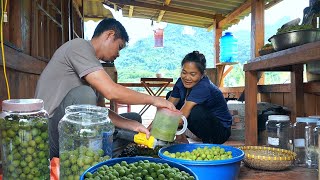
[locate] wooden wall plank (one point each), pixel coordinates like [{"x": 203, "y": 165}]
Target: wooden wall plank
[
  {"x": 277, "y": 98},
  {"x": 265, "y": 97},
  {"x": 6, "y": 25},
  {"x": 287, "y": 100},
  {"x": 41, "y": 35},
  {"x": 35, "y": 29},
  {"x": 26, "y": 25},
  {"x": 15, "y": 23},
  {"x": 22, "y": 85},
  {"x": 310, "y": 105},
  {"x": 317, "y": 105},
  {"x": 22, "y": 62}
]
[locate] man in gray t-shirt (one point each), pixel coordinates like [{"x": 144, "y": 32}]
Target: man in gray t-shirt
[{"x": 74, "y": 75}]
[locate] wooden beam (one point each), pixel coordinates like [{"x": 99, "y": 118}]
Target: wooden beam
[
  {"x": 218, "y": 18},
  {"x": 257, "y": 27},
  {"x": 159, "y": 7},
  {"x": 131, "y": 11},
  {"x": 167, "y": 2},
  {"x": 217, "y": 33},
  {"x": 49, "y": 16},
  {"x": 115, "y": 7},
  {"x": 234, "y": 15},
  {"x": 251, "y": 90},
  {"x": 296, "y": 84},
  {"x": 26, "y": 28},
  {"x": 22, "y": 62}
]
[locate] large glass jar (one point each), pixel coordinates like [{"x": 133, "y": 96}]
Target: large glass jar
[
  {"x": 304, "y": 141},
  {"x": 316, "y": 150},
  {"x": 85, "y": 138},
  {"x": 24, "y": 139},
  {"x": 279, "y": 132}
]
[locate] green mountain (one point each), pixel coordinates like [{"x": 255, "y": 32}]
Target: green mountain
[{"x": 144, "y": 60}]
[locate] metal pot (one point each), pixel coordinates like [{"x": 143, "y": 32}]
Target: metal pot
[{"x": 294, "y": 38}]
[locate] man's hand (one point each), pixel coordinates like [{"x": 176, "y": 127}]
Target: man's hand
[
  {"x": 162, "y": 103},
  {"x": 141, "y": 128}
]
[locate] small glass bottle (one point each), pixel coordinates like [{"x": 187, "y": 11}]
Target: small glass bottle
[
  {"x": 24, "y": 139},
  {"x": 304, "y": 140},
  {"x": 279, "y": 133},
  {"x": 85, "y": 138}
]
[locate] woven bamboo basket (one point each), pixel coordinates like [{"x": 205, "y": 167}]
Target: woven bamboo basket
[{"x": 268, "y": 158}]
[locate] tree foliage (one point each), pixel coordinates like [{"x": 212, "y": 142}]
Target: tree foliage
[{"x": 142, "y": 59}]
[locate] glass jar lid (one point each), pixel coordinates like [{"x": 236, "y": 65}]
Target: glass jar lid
[
  {"x": 307, "y": 119},
  {"x": 317, "y": 117},
  {"x": 86, "y": 114},
  {"x": 22, "y": 105},
  {"x": 278, "y": 118}
]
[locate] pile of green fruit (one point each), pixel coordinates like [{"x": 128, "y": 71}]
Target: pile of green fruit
[
  {"x": 24, "y": 141},
  {"x": 143, "y": 169},
  {"x": 136, "y": 150},
  {"x": 294, "y": 28},
  {"x": 74, "y": 163},
  {"x": 202, "y": 154}
]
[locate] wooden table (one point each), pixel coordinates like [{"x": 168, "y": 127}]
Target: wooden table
[
  {"x": 151, "y": 82},
  {"x": 291, "y": 60}
]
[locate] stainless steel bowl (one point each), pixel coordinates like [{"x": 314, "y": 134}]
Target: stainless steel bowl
[{"x": 294, "y": 38}]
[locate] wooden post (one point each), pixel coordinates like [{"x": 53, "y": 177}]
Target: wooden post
[
  {"x": 217, "y": 33},
  {"x": 15, "y": 23},
  {"x": 35, "y": 29},
  {"x": 297, "y": 92},
  {"x": 251, "y": 117},
  {"x": 257, "y": 26},
  {"x": 257, "y": 29},
  {"x": 251, "y": 78}
]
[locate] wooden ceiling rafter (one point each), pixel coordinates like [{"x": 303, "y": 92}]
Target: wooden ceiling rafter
[
  {"x": 232, "y": 16},
  {"x": 115, "y": 7},
  {"x": 160, "y": 7},
  {"x": 131, "y": 11},
  {"x": 160, "y": 16}
]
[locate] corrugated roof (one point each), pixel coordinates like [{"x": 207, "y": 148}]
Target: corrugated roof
[
  {"x": 198, "y": 13},
  {"x": 94, "y": 10}
]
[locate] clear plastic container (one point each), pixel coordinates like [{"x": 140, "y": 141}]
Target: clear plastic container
[
  {"x": 279, "y": 132},
  {"x": 85, "y": 138},
  {"x": 24, "y": 139},
  {"x": 304, "y": 141}
]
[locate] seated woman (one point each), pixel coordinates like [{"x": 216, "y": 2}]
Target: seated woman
[{"x": 201, "y": 102}]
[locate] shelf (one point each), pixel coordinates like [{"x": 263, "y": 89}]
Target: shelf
[
  {"x": 291, "y": 60},
  {"x": 283, "y": 60}
]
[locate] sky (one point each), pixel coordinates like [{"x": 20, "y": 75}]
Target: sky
[{"x": 141, "y": 28}]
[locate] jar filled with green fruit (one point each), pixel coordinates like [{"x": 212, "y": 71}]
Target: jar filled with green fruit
[
  {"x": 24, "y": 139},
  {"x": 85, "y": 139}
]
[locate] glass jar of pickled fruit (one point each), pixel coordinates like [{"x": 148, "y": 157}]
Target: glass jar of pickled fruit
[
  {"x": 24, "y": 139},
  {"x": 85, "y": 139}
]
